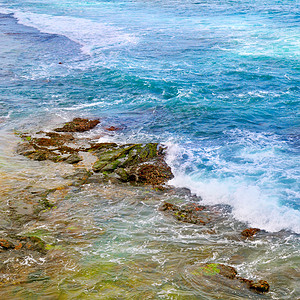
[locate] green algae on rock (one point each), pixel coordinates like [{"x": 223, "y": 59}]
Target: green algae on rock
[
  {"x": 139, "y": 163},
  {"x": 135, "y": 163}
]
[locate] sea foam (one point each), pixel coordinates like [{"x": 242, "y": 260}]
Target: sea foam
[
  {"x": 91, "y": 35},
  {"x": 250, "y": 203}
]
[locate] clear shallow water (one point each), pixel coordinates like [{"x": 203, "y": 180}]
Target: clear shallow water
[{"x": 217, "y": 81}]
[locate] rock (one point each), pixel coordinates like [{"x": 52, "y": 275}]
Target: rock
[
  {"x": 41, "y": 155},
  {"x": 154, "y": 174},
  {"x": 168, "y": 207},
  {"x": 65, "y": 137},
  {"x": 73, "y": 159},
  {"x": 249, "y": 232},
  {"x": 216, "y": 271},
  {"x": 123, "y": 175},
  {"x": 111, "y": 158},
  {"x": 6, "y": 244},
  {"x": 46, "y": 142},
  {"x": 112, "y": 128},
  {"x": 213, "y": 269},
  {"x": 190, "y": 213},
  {"x": 136, "y": 163},
  {"x": 23, "y": 243},
  {"x": 227, "y": 271},
  {"x": 78, "y": 125},
  {"x": 261, "y": 286},
  {"x": 25, "y": 149},
  {"x": 52, "y": 148},
  {"x": 100, "y": 147},
  {"x": 79, "y": 177}
]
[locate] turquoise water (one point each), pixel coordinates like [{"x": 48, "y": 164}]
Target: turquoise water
[{"x": 217, "y": 81}]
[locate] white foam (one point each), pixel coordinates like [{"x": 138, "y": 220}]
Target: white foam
[
  {"x": 91, "y": 35},
  {"x": 250, "y": 203},
  {"x": 85, "y": 105}
]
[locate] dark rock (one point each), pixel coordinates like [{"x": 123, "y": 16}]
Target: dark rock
[
  {"x": 44, "y": 154},
  {"x": 168, "y": 207},
  {"x": 123, "y": 175},
  {"x": 154, "y": 174},
  {"x": 249, "y": 232},
  {"x": 135, "y": 163},
  {"x": 78, "y": 125},
  {"x": 261, "y": 286},
  {"x": 6, "y": 244}
]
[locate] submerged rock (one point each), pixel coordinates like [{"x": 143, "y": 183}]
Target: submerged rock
[
  {"x": 216, "y": 272},
  {"x": 22, "y": 243},
  {"x": 73, "y": 159},
  {"x": 190, "y": 213}
]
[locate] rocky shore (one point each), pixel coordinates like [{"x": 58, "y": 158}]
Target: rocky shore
[{"x": 91, "y": 162}]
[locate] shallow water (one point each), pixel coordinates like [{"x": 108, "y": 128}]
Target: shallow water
[
  {"x": 216, "y": 81},
  {"x": 108, "y": 241}
]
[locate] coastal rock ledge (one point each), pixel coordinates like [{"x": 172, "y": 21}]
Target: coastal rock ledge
[
  {"x": 134, "y": 163},
  {"x": 137, "y": 164}
]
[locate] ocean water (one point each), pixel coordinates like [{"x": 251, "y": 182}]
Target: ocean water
[{"x": 217, "y": 81}]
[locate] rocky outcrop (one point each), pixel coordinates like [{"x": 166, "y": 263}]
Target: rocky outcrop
[
  {"x": 78, "y": 125},
  {"x": 134, "y": 163},
  {"x": 139, "y": 163}
]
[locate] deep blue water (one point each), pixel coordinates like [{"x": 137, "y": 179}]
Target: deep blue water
[{"x": 217, "y": 81}]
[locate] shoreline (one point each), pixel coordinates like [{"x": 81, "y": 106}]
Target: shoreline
[{"x": 170, "y": 204}]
